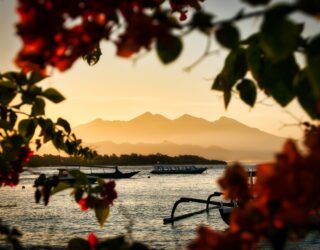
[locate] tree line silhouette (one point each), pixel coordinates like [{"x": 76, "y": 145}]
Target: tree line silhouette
[{"x": 123, "y": 160}]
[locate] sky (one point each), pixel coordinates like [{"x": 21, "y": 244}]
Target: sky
[{"x": 119, "y": 89}]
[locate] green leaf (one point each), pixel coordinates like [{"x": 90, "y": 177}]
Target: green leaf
[
  {"x": 30, "y": 95},
  {"x": 101, "y": 209},
  {"x": 6, "y": 95},
  {"x": 255, "y": 60},
  {"x": 248, "y": 91},
  {"x": 202, "y": 21},
  {"x": 60, "y": 187},
  {"x": 53, "y": 95},
  {"x": 64, "y": 124},
  {"x": 8, "y": 84},
  {"x": 307, "y": 98},
  {"x": 313, "y": 68},
  {"x": 234, "y": 69},
  {"x": 38, "y": 107},
  {"x": 27, "y": 128},
  {"x": 16, "y": 77},
  {"x": 217, "y": 83},
  {"x": 279, "y": 37},
  {"x": 226, "y": 98},
  {"x": 228, "y": 36},
  {"x": 58, "y": 141},
  {"x": 35, "y": 77},
  {"x": 278, "y": 80},
  {"x": 47, "y": 129},
  {"x": 169, "y": 48},
  {"x": 78, "y": 244}
]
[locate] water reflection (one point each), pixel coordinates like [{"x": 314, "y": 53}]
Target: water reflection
[{"x": 140, "y": 208}]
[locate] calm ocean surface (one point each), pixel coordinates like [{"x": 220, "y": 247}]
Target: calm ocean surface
[{"x": 141, "y": 206}]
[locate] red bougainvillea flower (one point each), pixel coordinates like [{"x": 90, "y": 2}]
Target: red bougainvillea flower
[
  {"x": 57, "y": 33},
  {"x": 235, "y": 183},
  {"x": 86, "y": 203},
  {"x": 209, "y": 239},
  {"x": 9, "y": 172},
  {"x": 108, "y": 192},
  {"x": 93, "y": 241},
  {"x": 24, "y": 154}
]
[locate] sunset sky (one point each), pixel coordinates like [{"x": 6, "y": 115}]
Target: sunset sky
[{"x": 118, "y": 89}]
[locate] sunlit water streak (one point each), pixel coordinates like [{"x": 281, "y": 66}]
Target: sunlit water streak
[{"x": 142, "y": 201}]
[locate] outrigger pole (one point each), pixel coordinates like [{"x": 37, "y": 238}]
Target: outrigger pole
[{"x": 208, "y": 202}]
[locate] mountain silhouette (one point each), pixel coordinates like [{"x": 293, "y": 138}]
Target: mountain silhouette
[{"x": 154, "y": 133}]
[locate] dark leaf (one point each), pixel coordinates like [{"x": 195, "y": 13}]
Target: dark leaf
[
  {"x": 38, "y": 107},
  {"x": 202, "y": 21},
  {"x": 278, "y": 80},
  {"x": 35, "y": 77},
  {"x": 307, "y": 98},
  {"x": 6, "y": 95},
  {"x": 8, "y": 84},
  {"x": 53, "y": 95},
  {"x": 138, "y": 246},
  {"x": 116, "y": 243},
  {"x": 169, "y": 48},
  {"x": 255, "y": 60},
  {"x": 234, "y": 69},
  {"x": 279, "y": 37},
  {"x": 47, "y": 129},
  {"x": 27, "y": 128},
  {"x": 313, "y": 57},
  {"x": 248, "y": 92},
  {"x": 38, "y": 144},
  {"x": 228, "y": 36},
  {"x": 226, "y": 98},
  {"x": 65, "y": 124},
  {"x": 57, "y": 141},
  {"x": 16, "y": 77},
  {"x": 217, "y": 84},
  {"x": 256, "y": 2},
  {"x": 78, "y": 244}
]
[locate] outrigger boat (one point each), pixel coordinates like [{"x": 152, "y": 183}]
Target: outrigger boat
[
  {"x": 225, "y": 208},
  {"x": 117, "y": 174},
  {"x": 62, "y": 176},
  {"x": 177, "y": 169}
]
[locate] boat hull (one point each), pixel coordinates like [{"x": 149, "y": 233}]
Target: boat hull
[
  {"x": 178, "y": 171},
  {"x": 116, "y": 175}
]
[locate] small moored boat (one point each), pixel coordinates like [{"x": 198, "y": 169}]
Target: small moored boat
[
  {"x": 117, "y": 174},
  {"x": 177, "y": 169}
]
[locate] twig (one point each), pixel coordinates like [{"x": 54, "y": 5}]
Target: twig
[{"x": 205, "y": 54}]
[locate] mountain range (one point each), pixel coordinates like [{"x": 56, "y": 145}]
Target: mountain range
[{"x": 225, "y": 138}]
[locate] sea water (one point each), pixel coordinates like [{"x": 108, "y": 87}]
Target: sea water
[{"x": 143, "y": 202}]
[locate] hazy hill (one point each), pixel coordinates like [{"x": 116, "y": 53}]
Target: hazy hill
[{"x": 154, "y": 129}]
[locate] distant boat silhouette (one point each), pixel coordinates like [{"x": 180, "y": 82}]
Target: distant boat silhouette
[
  {"x": 117, "y": 174},
  {"x": 177, "y": 169}
]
